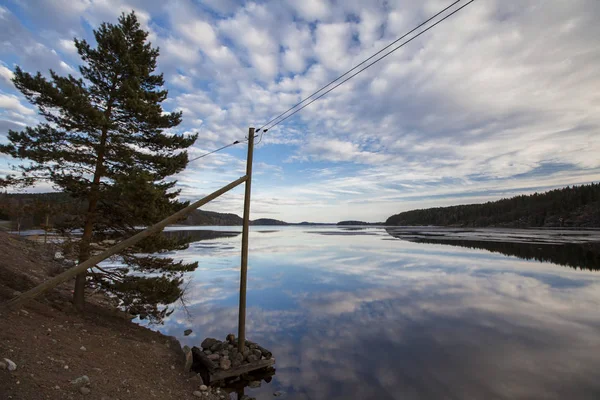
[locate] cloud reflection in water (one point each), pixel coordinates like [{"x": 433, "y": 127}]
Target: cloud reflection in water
[{"x": 356, "y": 316}]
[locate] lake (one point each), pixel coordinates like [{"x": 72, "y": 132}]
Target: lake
[{"x": 405, "y": 313}]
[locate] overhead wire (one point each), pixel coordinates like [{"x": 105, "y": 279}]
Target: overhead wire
[
  {"x": 271, "y": 124},
  {"x": 367, "y": 66},
  {"x": 358, "y": 65},
  {"x": 214, "y": 151}
]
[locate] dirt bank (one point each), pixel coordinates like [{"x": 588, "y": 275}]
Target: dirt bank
[{"x": 52, "y": 344}]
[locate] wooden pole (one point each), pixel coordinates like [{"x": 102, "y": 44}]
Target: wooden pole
[
  {"x": 92, "y": 261},
  {"x": 245, "y": 232}
]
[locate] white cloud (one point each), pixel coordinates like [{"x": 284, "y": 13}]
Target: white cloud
[
  {"x": 6, "y": 75},
  {"x": 13, "y": 103},
  {"x": 311, "y": 10},
  {"x": 68, "y": 46},
  {"x": 477, "y": 104}
]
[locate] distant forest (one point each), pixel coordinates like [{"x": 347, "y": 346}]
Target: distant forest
[
  {"x": 49, "y": 210},
  {"x": 575, "y": 206}
]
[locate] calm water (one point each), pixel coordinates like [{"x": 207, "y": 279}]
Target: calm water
[{"x": 401, "y": 314}]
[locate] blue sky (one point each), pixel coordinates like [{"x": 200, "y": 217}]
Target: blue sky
[{"x": 503, "y": 98}]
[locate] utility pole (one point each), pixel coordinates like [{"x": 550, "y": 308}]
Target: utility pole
[{"x": 245, "y": 232}]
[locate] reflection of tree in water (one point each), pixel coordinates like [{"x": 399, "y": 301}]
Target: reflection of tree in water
[
  {"x": 574, "y": 255},
  {"x": 190, "y": 236}
]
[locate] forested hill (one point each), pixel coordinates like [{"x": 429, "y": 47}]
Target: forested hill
[{"x": 576, "y": 206}]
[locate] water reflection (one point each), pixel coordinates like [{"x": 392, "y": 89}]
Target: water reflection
[
  {"x": 584, "y": 255},
  {"x": 361, "y": 317}
]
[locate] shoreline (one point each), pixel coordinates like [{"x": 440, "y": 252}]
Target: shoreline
[{"x": 54, "y": 347}]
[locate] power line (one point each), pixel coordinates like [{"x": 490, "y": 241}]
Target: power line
[
  {"x": 214, "y": 151},
  {"x": 374, "y": 62},
  {"x": 358, "y": 65},
  {"x": 263, "y": 130}
]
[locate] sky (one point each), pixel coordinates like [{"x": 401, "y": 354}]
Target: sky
[{"x": 501, "y": 99}]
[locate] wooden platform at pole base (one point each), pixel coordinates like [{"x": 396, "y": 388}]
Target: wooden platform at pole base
[{"x": 210, "y": 371}]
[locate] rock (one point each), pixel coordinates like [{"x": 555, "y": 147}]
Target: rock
[
  {"x": 58, "y": 255},
  {"x": 203, "y": 388},
  {"x": 230, "y": 338},
  {"x": 189, "y": 358},
  {"x": 217, "y": 347},
  {"x": 225, "y": 364},
  {"x": 10, "y": 365},
  {"x": 69, "y": 263},
  {"x": 246, "y": 353},
  {"x": 254, "y": 384},
  {"x": 278, "y": 393},
  {"x": 24, "y": 312},
  {"x": 81, "y": 381},
  {"x": 208, "y": 343},
  {"x": 187, "y": 332},
  {"x": 197, "y": 393},
  {"x": 236, "y": 363},
  {"x": 239, "y": 357},
  {"x": 257, "y": 353},
  {"x": 82, "y": 348},
  {"x": 83, "y": 390},
  {"x": 224, "y": 353},
  {"x": 252, "y": 358},
  {"x": 214, "y": 357}
]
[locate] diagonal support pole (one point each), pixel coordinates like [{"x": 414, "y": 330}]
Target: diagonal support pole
[{"x": 92, "y": 261}]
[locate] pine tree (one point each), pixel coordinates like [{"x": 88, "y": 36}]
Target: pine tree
[{"x": 106, "y": 141}]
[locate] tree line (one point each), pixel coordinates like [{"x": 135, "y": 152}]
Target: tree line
[{"x": 572, "y": 206}]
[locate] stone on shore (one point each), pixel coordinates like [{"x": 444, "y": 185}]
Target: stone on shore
[
  {"x": 208, "y": 343},
  {"x": 10, "y": 365},
  {"x": 257, "y": 353},
  {"x": 225, "y": 364},
  {"x": 187, "y": 332},
  {"x": 81, "y": 381}
]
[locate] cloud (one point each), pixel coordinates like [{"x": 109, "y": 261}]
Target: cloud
[
  {"x": 9, "y": 102},
  {"x": 6, "y": 76},
  {"x": 399, "y": 317},
  {"x": 466, "y": 112}
]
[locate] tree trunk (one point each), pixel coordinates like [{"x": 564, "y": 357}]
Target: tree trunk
[{"x": 88, "y": 228}]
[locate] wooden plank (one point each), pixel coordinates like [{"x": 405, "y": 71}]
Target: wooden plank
[
  {"x": 245, "y": 233},
  {"x": 92, "y": 261},
  {"x": 242, "y": 369}
]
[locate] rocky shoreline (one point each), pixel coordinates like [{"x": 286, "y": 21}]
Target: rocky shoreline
[{"x": 226, "y": 355}]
